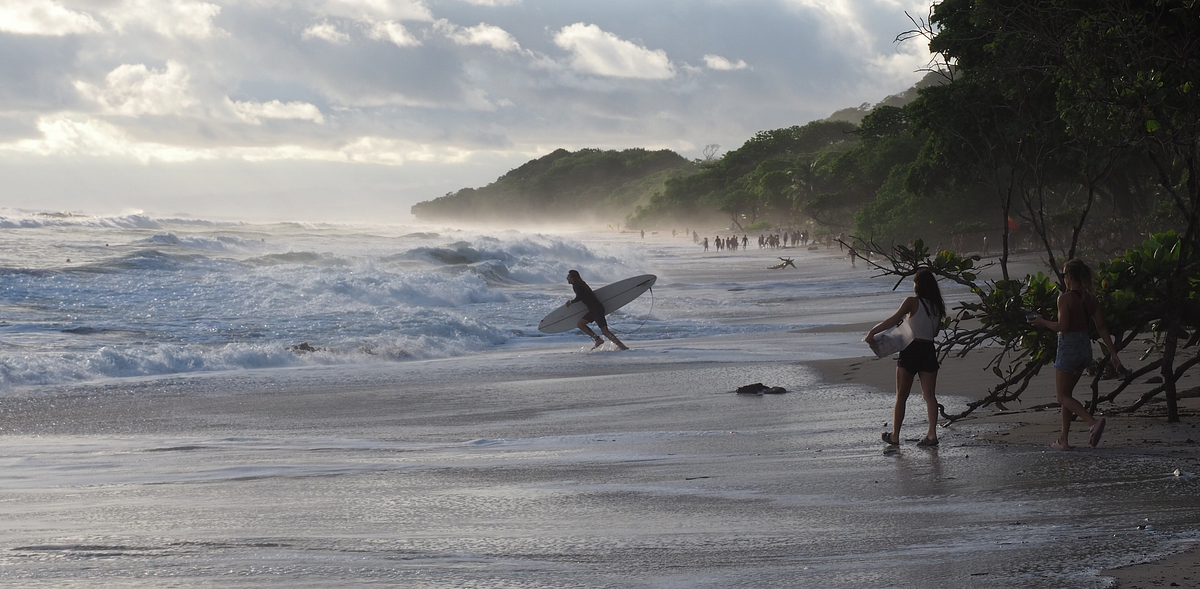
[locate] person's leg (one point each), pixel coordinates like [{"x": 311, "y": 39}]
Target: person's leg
[
  {"x": 1064, "y": 383},
  {"x": 928, "y": 391},
  {"x": 608, "y": 334},
  {"x": 583, "y": 326},
  {"x": 904, "y": 382}
]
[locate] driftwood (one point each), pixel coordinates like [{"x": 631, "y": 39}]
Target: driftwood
[{"x": 785, "y": 263}]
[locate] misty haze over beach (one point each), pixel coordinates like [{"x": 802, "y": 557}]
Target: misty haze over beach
[{"x": 271, "y": 275}]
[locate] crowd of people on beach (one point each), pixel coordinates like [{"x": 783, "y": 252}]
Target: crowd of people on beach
[{"x": 765, "y": 241}]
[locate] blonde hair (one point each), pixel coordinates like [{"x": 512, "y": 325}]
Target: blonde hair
[{"x": 1081, "y": 273}]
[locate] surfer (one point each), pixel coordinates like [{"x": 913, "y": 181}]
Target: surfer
[
  {"x": 924, "y": 312},
  {"x": 584, "y": 294}
]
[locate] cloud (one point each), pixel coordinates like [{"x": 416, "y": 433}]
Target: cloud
[
  {"x": 595, "y": 51},
  {"x": 223, "y": 81},
  {"x": 390, "y": 30},
  {"x": 374, "y": 10},
  {"x": 71, "y": 135},
  {"x": 170, "y": 18},
  {"x": 252, "y": 112},
  {"x": 326, "y": 32},
  {"x": 75, "y": 135},
  {"x": 43, "y": 17},
  {"x": 482, "y": 34},
  {"x": 716, "y": 62},
  {"x": 135, "y": 90},
  {"x": 493, "y": 3}
]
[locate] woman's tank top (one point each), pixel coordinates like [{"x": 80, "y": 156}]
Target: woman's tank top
[{"x": 924, "y": 325}]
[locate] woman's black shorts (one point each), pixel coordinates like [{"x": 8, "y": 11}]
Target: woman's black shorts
[{"x": 919, "y": 356}]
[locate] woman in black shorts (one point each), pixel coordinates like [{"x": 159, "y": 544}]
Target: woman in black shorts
[{"x": 924, "y": 312}]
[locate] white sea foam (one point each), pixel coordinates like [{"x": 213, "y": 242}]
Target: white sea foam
[{"x": 133, "y": 295}]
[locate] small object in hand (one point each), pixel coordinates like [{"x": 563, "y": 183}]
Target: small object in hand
[{"x": 1030, "y": 316}]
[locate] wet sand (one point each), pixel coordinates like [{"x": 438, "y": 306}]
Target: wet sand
[
  {"x": 556, "y": 467},
  {"x": 1035, "y": 422}
]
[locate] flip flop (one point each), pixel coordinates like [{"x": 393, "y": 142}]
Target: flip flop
[
  {"x": 1097, "y": 429},
  {"x": 925, "y": 441},
  {"x": 887, "y": 439}
]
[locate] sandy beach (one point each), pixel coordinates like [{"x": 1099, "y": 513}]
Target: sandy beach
[
  {"x": 556, "y": 466},
  {"x": 1035, "y": 422}
]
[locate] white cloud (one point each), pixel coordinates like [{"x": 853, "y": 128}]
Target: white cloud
[
  {"x": 73, "y": 135},
  {"x": 43, "y": 17},
  {"x": 493, "y": 3},
  {"x": 373, "y": 10},
  {"x": 481, "y": 34},
  {"x": 326, "y": 32},
  {"x": 134, "y": 90},
  {"x": 67, "y": 135},
  {"x": 170, "y": 18},
  {"x": 390, "y": 30},
  {"x": 252, "y": 112},
  {"x": 595, "y": 51},
  {"x": 716, "y": 62}
]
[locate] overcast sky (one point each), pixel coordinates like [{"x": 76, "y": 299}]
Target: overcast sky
[{"x": 356, "y": 109}]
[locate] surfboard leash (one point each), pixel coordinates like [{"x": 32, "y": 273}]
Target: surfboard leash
[{"x": 648, "y": 313}]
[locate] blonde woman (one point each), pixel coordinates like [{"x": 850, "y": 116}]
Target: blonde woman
[{"x": 1075, "y": 306}]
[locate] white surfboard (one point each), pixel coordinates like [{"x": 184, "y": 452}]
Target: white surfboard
[{"x": 613, "y": 297}]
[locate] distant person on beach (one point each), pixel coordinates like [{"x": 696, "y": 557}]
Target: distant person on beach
[
  {"x": 705, "y": 244},
  {"x": 924, "y": 312},
  {"x": 584, "y": 294},
  {"x": 1075, "y": 307}
]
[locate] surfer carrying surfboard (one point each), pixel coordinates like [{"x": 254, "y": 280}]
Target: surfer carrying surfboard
[{"x": 584, "y": 294}]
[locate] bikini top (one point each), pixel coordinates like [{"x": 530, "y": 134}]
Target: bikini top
[{"x": 1079, "y": 321}]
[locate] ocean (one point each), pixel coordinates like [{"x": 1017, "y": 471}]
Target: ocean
[
  {"x": 203, "y": 403},
  {"x": 86, "y": 298}
]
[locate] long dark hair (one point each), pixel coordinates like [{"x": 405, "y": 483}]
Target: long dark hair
[{"x": 926, "y": 288}]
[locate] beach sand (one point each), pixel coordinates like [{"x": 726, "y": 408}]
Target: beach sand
[
  {"x": 1035, "y": 422},
  {"x": 566, "y": 468}
]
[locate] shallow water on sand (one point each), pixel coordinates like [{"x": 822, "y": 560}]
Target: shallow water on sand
[{"x": 512, "y": 471}]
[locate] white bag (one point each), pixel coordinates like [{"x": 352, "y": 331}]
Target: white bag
[{"x": 892, "y": 340}]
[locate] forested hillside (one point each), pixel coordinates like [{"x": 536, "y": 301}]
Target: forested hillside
[
  {"x": 1074, "y": 123},
  {"x": 562, "y": 185}
]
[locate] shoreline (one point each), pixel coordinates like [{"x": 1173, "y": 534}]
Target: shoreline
[{"x": 1035, "y": 422}]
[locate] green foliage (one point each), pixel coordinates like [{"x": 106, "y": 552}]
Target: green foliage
[
  {"x": 766, "y": 175},
  {"x": 1143, "y": 286},
  {"x": 563, "y": 184},
  {"x": 1001, "y": 312}
]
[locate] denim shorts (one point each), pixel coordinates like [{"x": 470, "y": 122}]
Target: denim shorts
[{"x": 1074, "y": 351}]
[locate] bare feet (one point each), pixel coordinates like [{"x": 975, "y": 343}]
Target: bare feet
[
  {"x": 1056, "y": 445},
  {"x": 1096, "y": 430},
  {"x": 599, "y": 342}
]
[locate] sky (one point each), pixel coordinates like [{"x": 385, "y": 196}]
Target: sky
[{"x": 354, "y": 110}]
